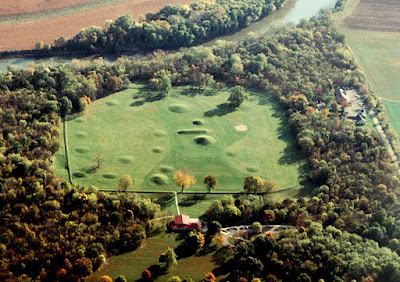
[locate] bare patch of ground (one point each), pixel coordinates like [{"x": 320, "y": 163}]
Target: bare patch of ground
[
  {"x": 24, "y": 36},
  {"x": 374, "y": 15},
  {"x": 241, "y": 127}
]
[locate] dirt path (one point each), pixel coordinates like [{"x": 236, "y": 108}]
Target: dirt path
[{"x": 383, "y": 135}]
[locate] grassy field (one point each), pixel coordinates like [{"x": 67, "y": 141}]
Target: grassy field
[
  {"x": 150, "y": 141},
  {"x": 133, "y": 263},
  {"x": 378, "y": 54},
  {"x": 372, "y": 32},
  {"x": 394, "y": 117}
]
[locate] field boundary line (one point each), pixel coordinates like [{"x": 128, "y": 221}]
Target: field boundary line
[{"x": 67, "y": 158}]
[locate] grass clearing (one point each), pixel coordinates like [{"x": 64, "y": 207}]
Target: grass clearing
[
  {"x": 144, "y": 142},
  {"x": 394, "y": 117},
  {"x": 132, "y": 264}
]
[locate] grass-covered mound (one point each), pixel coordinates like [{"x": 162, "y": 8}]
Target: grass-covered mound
[{"x": 151, "y": 140}]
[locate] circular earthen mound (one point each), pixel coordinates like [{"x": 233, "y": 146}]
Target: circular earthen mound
[
  {"x": 111, "y": 103},
  {"x": 159, "y": 179},
  {"x": 81, "y": 134},
  {"x": 110, "y": 175},
  {"x": 241, "y": 127},
  {"x": 166, "y": 169},
  {"x": 199, "y": 122},
  {"x": 79, "y": 174},
  {"x": 160, "y": 133},
  {"x": 158, "y": 150},
  {"x": 230, "y": 153},
  {"x": 252, "y": 169},
  {"x": 178, "y": 108},
  {"x": 204, "y": 140},
  {"x": 126, "y": 159},
  {"x": 82, "y": 149}
]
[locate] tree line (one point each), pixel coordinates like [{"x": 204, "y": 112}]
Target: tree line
[
  {"x": 347, "y": 230},
  {"x": 170, "y": 28}
]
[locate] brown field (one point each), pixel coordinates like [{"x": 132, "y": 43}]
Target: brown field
[
  {"x": 374, "y": 15},
  {"x": 11, "y": 7},
  {"x": 24, "y": 36}
]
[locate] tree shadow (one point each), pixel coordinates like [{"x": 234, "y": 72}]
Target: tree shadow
[
  {"x": 220, "y": 110},
  {"x": 165, "y": 201},
  {"x": 192, "y": 200},
  {"x": 153, "y": 97},
  {"x": 307, "y": 188}
]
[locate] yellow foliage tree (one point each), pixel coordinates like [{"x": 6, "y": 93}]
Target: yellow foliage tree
[
  {"x": 184, "y": 179},
  {"x": 124, "y": 182}
]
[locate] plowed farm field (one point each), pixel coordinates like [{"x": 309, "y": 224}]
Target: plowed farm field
[
  {"x": 23, "y": 23},
  {"x": 375, "y": 15}
]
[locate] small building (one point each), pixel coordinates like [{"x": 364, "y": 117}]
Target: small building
[
  {"x": 341, "y": 96},
  {"x": 185, "y": 223}
]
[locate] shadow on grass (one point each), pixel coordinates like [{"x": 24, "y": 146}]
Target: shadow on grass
[
  {"x": 165, "y": 201},
  {"x": 307, "y": 188},
  {"x": 192, "y": 200},
  {"x": 220, "y": 110}
]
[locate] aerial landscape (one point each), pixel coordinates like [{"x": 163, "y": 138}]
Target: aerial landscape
[{"x": 184, "y": 140}]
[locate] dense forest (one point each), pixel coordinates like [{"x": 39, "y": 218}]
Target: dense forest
[
  {"x": 170, "y": 28},
  {"x": 348, "y": 228}
]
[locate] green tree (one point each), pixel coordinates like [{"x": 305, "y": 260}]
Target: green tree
[
  {"x": 210, "y": 181},
  {"x": 238, "y": 96},
  {"x": 170, "y": 258},
  {"x": 65, "y": 106}
]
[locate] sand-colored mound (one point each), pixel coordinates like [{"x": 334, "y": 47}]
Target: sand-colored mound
[{"x": 241, "y": 127}]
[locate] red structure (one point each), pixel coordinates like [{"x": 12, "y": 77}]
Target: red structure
[{"x": 184, "y": 222}]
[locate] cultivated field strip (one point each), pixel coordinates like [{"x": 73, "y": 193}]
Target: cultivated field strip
[
  {"x": 57, "y": 12},
  {"x": 373, "y": 15}
]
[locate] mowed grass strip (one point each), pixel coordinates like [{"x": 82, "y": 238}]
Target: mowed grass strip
[{"x": 143, "y": 141}]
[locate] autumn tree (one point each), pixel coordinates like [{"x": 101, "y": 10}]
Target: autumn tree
[
  {"x": 210, "y": 181},
  {"x": 184, "y": 179},
  {"x": 124, "y": 182},
  {"x": 254, "y": 184}
]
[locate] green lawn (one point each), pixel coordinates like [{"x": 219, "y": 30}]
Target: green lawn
[
  {"x": 394, "y": 110},
  {"x": 378, "y": 53},
  {"x": 141, "y": 139},
  {"x": 132, "y": 264}
]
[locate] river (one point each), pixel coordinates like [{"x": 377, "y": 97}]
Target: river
[{"x": 292, "y": 12}]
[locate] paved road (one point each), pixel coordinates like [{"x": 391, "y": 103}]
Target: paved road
[{"x": 383, "y": 135}]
